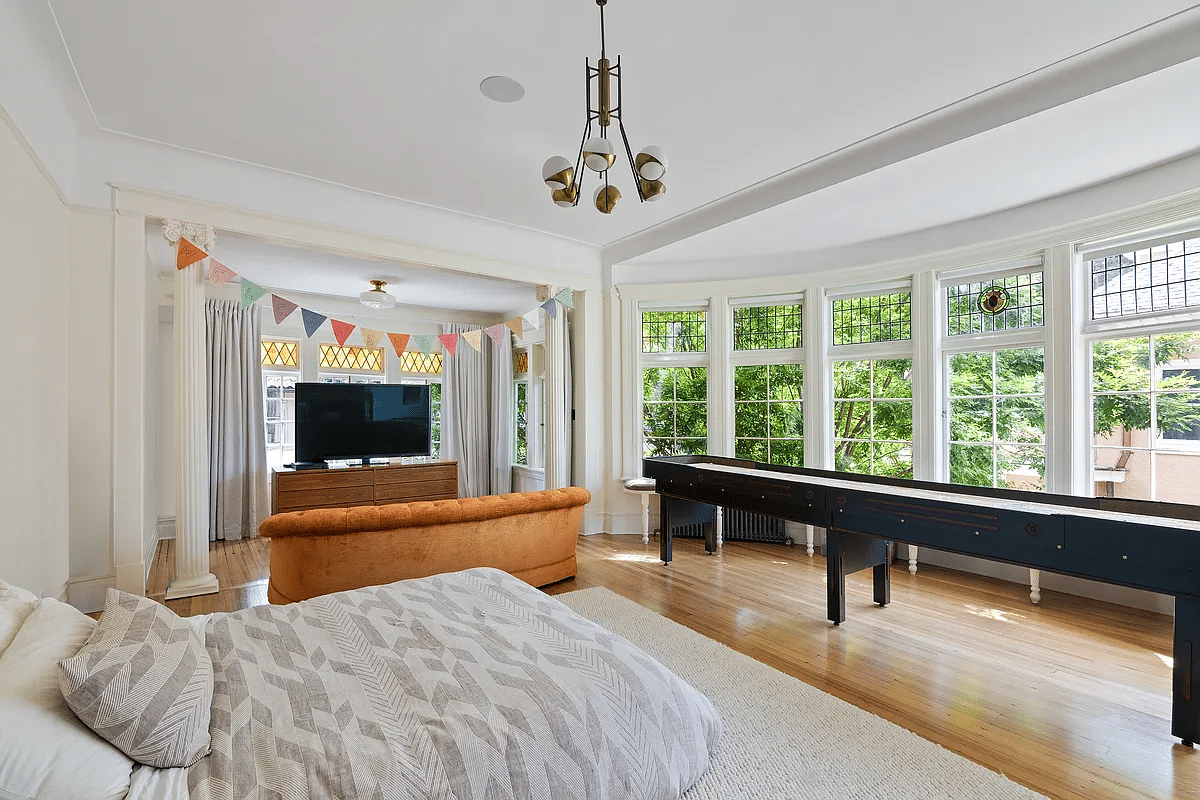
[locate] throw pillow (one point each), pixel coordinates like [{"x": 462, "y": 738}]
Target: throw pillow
[{"x": 143, "y": 681}]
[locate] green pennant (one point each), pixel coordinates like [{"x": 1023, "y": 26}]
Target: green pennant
[{"x": 251, "y": 292}]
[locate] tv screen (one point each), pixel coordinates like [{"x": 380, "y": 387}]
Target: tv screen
[{"x": 361, "y": 420}]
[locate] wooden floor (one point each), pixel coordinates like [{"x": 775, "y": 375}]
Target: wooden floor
[{"x": 1072, "y": 698}]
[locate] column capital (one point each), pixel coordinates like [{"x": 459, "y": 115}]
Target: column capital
[{"x": 203, "y": 236}]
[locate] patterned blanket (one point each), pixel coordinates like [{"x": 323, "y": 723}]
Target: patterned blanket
[{"x": 468, "y": 686}]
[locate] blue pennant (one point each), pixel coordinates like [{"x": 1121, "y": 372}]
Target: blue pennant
[{"x": 312, "y": 321}]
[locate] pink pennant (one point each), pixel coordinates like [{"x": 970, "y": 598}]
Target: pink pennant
[
  {"x": 218, "y": 273},
  {"x": 449, "y": 341},
  {"x": 494, "y": 332},
  {"x": 282, "y": 308},
  {"x": 341, "y": 330}
]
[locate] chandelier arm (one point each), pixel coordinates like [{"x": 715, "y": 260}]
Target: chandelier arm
[
  {"x": 587, "y": 130},
  {"x": 629, "y": 155}
]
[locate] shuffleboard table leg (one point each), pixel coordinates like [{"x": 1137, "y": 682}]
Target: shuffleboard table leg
[
  {"x": 664, "y": 522},
  {"x": 1185, "y": 689},
  {"x": 883, "y": 584},
  {"x": 835, "y": 577}
]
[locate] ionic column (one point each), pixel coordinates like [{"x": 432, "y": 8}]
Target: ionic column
[{"x": 192, "y": 576}]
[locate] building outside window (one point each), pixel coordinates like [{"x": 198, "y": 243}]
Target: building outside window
[
  {"x": 674, "y": 381},
  {"x": 768, "y": 382}
]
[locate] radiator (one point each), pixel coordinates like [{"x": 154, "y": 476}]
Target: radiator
[{"x": 741, "y": 526}]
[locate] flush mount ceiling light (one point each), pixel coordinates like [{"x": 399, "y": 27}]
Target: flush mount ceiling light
[
  {"x": 596, "y": 152},
  {"x": 377, "y": 297}
]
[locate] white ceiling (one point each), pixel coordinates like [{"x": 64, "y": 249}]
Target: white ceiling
[
  {"x": 289, "y": 269},
  {"x": 383, "y": 95}
]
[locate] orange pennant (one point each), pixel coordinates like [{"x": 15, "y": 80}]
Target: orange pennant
[
  {"x": 399, "y": 343},
  {"x": 341, "y": 330},
  {"x": 187, "y": 254}
]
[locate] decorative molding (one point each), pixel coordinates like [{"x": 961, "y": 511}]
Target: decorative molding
[
  {"x": 203, "y": 236},
  {"x": 33, "y": 156},
  {"x": 165, "y": 528}
]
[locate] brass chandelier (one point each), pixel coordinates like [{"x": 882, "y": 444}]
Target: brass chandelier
[{"x": 597, "y": 152}]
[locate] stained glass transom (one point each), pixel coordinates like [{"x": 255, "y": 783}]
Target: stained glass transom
[
  {"x": 520, "y": 362},
  {"x": 349, "y": 357},
  {"x": 1025, "y": 308},
  {"x": 1152, "y": 279},
  {"x": 878, "y": 318},
  {"x": 280, "y": 354},
  {"x": 413, "y": 361}
]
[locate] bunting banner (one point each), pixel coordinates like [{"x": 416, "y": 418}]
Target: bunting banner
[
  {"x": 312, "y": 321},
  {"x": 370, "y": 337},
  {"x": 341, "y": 330},
  {"x": 551, "y": 308},
  {"x": 218, "y": 273},
  {"x": 474, "y": 338},
  {"x": 187, "y": 254},
  {"x": 449, "y": 342},
  {"x": 533, "y": 318},
  {"x": 251, "y": 292},
  {"x": 494, "y": 333},
  {"x": 516, "y": 327},
  {"x": 282, "y": 308},
  {"x": 423, "y": 343},
  {"x": 399, "y": 343},
  {"x": 566, "y": 298}
]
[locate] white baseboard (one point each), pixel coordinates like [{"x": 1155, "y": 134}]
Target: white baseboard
[
  {"x": 166, "y": 528},
  {"x": 87, "y": 592},
  {"x": 628, "y": 524}
]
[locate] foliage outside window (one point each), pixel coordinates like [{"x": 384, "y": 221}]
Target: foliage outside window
[
  {"x": 674, "y": 331},
  {"x": 767, "y": 327},
  {"x": 365, "y": 359},
  {"x": 521, "y": 423},
  {"x": 878, "y": 318},
  {"x": 872, "y": 417},
  {"x": 1159, "y": 278},
  {"x": 769, "y": 413},
  {"x": 1024, "y": 307},
  {"x": 1146, "y": 416},
  {"x": 279, "y": 353},
  {"x": 998, "y": 418},
  {"x": 675, "y": 410}
]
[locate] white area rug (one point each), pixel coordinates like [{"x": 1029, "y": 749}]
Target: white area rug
[{"x": 786, "y": 740}]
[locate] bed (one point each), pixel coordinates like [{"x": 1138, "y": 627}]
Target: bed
[{"x": 464, "y": 685}]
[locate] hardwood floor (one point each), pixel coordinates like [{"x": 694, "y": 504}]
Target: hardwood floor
[{"x": 1071, "y": 698}]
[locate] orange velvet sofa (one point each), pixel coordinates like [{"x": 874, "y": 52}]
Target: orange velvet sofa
[{"x": 531, "y": 535}]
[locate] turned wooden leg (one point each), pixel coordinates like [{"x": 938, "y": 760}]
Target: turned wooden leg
[
  {"x": 912, "y": 559},
  {"x": 1035, "y": 586}
]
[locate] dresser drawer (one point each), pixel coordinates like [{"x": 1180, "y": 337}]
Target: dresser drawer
[
  {"x": 322, "y": 479},
  {"x": 288, "y": 500},
  {"x": 418, "y": 490},
  {"x": 416, "y": 473}
]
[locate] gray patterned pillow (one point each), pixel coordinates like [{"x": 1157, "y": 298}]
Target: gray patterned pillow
[{"x": 144, "y": 682}]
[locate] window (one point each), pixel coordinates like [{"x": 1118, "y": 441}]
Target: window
[
  {"x": 675, "y": 410},
  {"x": 1146, "y": 416},
  {"x": 362, "y": 359},
  {"x": 878, "y": 318},
  {"x": 767, "y": 327},
  {"x": 279, "y": 399},
  {"x": 521, "y": 422},
  {"x": 1021, "y": 304},
  {"x": 416, "y": 362},
  {"x": 872, "y": 417},
  {"x": 1159, "y": 277},
  {"x": 280, "y": 353},
  {"x": 674, "y": 331},
  {"x": 998, "y": 418},
  {"x": 769, "y": 413}
]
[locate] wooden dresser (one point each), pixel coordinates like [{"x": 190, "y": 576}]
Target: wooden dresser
[{"x": 300, "y": 490}]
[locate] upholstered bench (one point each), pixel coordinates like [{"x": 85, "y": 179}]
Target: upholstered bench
[{"x": 531, "y": 535}]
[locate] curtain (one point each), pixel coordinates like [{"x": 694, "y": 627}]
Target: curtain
[
  {"x": 466, "y": 411},
  {"x": 237, "y": 450},
  {"x": 558, "y": 401},
  {"x": 502, "y": 412}
]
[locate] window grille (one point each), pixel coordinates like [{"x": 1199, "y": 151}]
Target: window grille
[
  {"x": 347, "y": 357},
  {"x": 1024, "y": 307},
  {"x": 413, "y": 361},
  {"x": 872, "y": 417},
  {"x": 1158, "y": 278},
  {"x": 769, "y": 413},
  {"x": 521, "y": 423},
  {"x": 767, "y": 327},
  {"x": 675, "y": 410},
  {"x": 276, "y": 353},
  {"x": 878, "y": 318},
  {"x": 674, "y": 331}
]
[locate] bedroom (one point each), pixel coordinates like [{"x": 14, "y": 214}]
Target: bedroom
[{"x": 80, "y": 474}]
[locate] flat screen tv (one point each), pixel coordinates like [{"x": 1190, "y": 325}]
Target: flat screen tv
[{"x": 336, "y": 421}]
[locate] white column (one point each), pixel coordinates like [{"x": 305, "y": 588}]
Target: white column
[
  {"x": 818, "y": 387},
  {"x": 720, "y": 376},
  {"x": 192, "y": 576},
  {"x": 558, "y": 397},
  {"x": 929, "y": 448}
]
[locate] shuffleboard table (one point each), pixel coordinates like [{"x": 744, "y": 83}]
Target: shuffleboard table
[{"x": 1142, "y": 544}]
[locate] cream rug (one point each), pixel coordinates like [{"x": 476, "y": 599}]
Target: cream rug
[{"x": 786, "y": 740}]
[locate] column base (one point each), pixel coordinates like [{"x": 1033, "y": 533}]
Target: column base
[{"x": 193, "y": 586}]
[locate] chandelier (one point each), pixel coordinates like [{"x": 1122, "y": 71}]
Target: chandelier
[{"x": 597, "y": 152}]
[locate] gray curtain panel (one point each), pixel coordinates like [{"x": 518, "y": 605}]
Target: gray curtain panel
[
  {"x": 237, "y": 449},
  {"x": 502, "y": 411},
  {"x": 466, "y": 413}
]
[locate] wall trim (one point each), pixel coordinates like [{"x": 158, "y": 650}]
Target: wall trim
[
  {"x": 165, "y": 529},
  {"x": 33, "y": 156},
  {"x": 86, "y": 592}
]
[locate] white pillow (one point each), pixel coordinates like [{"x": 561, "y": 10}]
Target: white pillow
[
  {"x": 46, "y": 753},
  {"x": 15, "y": 605}
]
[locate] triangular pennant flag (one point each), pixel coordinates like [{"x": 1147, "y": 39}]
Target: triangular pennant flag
[
  {"x": 282, "y": 308},
  {"x": 399, "y": 343},
  {"x": 516, "y": 327},
  {"x": 474, "y": 338},
  {"x": 187, "y": 254},
  {"x": 251, "y": 292},
  {"x": 551, "y": 308},
  {"x": 449, "y": 342},
  {"x": 565, "y": 297},
  {"x": 312, "y": 321},
  {"x": 370, "y": 337},
  {"x": 341, "y": 330},
  {"x": 423, "y": 343},
  {"x": 533, "y": 318},
  {"x": 495, "y": 332},
  {"x": 218, "y": 273}
]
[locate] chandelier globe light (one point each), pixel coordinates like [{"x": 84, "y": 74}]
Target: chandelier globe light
[
  {"x": 377, "y": 297},
  {"x": 596, "y": 150}
]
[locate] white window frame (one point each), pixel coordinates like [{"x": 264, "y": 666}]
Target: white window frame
[
  {"x": 671, "y": 359},
  {"x": 764, "y": 357}
]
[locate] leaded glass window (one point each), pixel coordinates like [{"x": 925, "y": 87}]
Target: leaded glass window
[
  {"x": 877, "y": 318},
  {"x": 674, "y": 331},
  {"x": 1021, "y": 304},
  {"x": 767, "y": 327},
  {"x": 280, "y": 353},
  {"x": 417, "y": 362},
  {"x": 1159, "y": 278},
  {"x": 363, "y": 359}
]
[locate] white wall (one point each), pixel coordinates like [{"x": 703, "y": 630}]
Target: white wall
[{"x": 34, "y": 233}]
